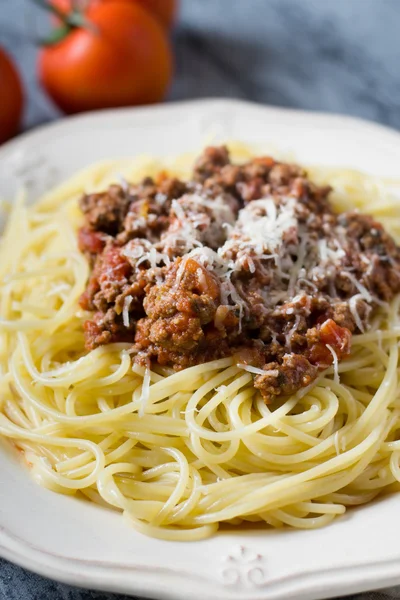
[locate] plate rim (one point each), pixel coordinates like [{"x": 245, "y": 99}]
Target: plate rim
[
  {"x": 292, "y": 113},
  {"x": 310, "y": 586}
]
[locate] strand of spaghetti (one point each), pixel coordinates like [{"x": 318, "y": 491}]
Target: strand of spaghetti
[
  {"x": 189, "y": 505},
  {"x": 172, "y": 534},
  {"x": 76, "y": 185},
  {"x": 179, "y": 490},
  {"x": 16, "y": 225},
  {"x": 374, "y": 336},
  {"x": 25, "y": 390},
  {"x": 382, "y": 398},
  {"x": 75, "y": 371},
  {"x": 162, "y": 389},
  {"x": 266, "y": 496},
  {"x": 119, "y": 453},
  {"x": 166, "y": 424},
  {"x": 107, "y": 487},
  {"x": 10, "y": 430},
  {"x": 84, "y": 466},
  {"x": 303, "y": 523},
  {"x": 214, "y": 457}
]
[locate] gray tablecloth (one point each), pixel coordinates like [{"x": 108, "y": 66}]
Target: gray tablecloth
[{"x": 340, "y": 56}]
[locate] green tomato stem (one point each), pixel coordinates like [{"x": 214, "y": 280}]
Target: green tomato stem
[{"x": 75, "y": 19}]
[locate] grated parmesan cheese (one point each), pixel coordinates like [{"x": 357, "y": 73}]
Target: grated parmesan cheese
[
  {"x": 261, "y": 226},
  {"x": 328, "y": 254},
  {"x": 251, "y": 369},
  {"x": 140, "y": 251},
  {"x": 359, "y": 286},
  {"x": 125, "y": 310},
  {"x": 354, "y": 311},
  {"x": 289, "y": 335},
  {"x": 336, "y": 376},
  {"x": 200, "y": 221}
]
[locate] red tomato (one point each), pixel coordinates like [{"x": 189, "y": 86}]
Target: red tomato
[
  {"x": 330, "y": 334},
  {"x": 164, "y": 10},
  {"x": 122, "y": 58},
  {"x": 11, "y": 98},
  {"x": 91, "y": 241},
  {"x": 339, "y": 338}
]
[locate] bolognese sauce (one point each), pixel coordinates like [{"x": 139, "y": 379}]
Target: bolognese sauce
[{"x": 248, "y": 260}]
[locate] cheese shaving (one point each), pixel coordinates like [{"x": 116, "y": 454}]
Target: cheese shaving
[
  {"x": 359, "y": 286},
  {"x": 354, "y": 311},
  {"x": 125, "y": 310},
  {"x": 336, "y": 376},
  {"x": 262, "y": 227},
  {"x": 251, "y": 369}
]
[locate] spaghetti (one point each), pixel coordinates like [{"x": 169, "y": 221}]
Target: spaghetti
[{"x": 179, "y": 453}]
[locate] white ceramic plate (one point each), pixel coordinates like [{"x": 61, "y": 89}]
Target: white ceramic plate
[{"x": 72, "y": 541}]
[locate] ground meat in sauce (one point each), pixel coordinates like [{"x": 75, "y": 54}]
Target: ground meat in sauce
[{"x": 245, "y": 260}]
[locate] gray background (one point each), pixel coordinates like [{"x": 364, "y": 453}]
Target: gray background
[{"x": 334, "y": 55}]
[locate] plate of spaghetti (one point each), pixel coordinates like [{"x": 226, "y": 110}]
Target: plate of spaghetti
[{"x": 199, "y": 342}]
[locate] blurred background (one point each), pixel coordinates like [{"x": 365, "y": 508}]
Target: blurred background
[{"x": 340, "y": 56}]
